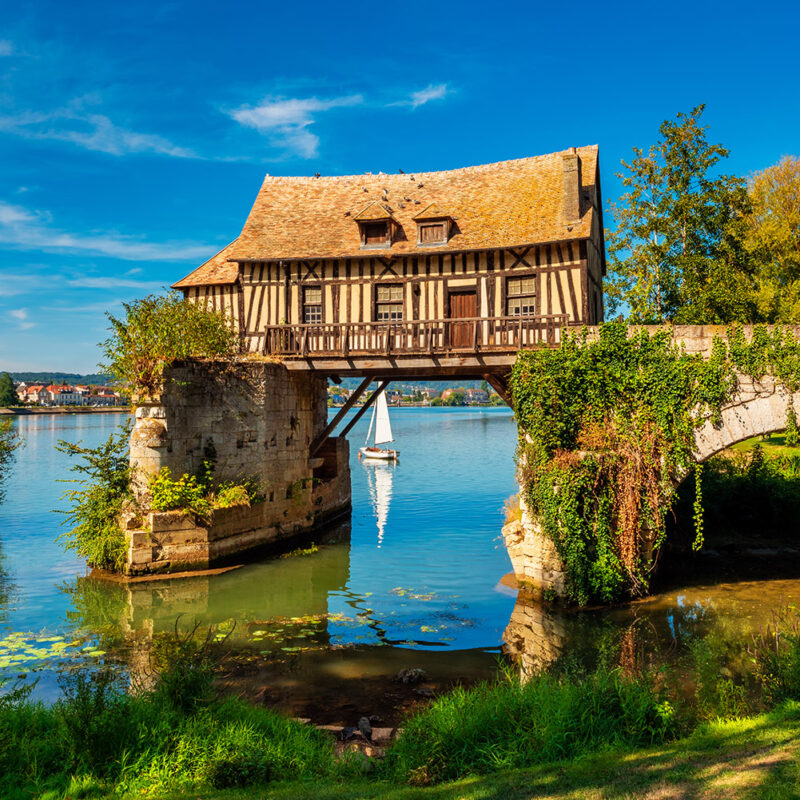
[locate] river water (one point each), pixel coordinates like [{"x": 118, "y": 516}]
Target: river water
[{"x": 413, "y": 580}]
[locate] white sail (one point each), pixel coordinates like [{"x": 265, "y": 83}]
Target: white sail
[
  {"x": 371, "y": 425},
  {"x": 383, "y": 430}
]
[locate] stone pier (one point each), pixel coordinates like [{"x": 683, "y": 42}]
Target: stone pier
[{"x": 250, "y": 419}]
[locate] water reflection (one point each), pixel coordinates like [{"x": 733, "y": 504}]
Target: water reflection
[
  {"x": 379, "y": 483},
  {"x": 647, "y": 634}
]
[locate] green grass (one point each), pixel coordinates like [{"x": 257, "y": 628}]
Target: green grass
[
  {"x": 774, "y": 446},
  {"x": 751, "y": 758}
]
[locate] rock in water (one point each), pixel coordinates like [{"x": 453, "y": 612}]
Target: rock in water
[{"x": 366, "y": 728}]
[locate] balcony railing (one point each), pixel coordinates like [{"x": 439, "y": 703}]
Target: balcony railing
[{"x": 418, "y": 337}]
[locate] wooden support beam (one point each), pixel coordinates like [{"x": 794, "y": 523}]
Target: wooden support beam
[
  {"x": 351, "y": 401},
  {"x": 361, "y": 411},
  {"x": 500, "y": 384}
]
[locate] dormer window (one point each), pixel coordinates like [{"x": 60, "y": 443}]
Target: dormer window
[
  {"x": 376, "y": 225},
  {"x": 375, "y": 234},
  {"x": 433, "y": 226},
  {"x": 433, "y": 232}
]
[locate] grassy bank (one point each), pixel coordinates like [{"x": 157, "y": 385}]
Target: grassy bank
[{"x": 751, "y": 758}]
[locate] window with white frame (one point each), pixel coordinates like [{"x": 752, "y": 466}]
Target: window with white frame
[
  {"x": 389, "y": 302},
  {"x": 521, "y": 297},
  {"x": 312, "y": 304}
]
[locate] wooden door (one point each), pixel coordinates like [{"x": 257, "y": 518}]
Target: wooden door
[{"x": 462, "y": 305}]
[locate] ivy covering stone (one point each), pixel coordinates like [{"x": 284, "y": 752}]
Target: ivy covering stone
[{"x": 606, "y": 429}]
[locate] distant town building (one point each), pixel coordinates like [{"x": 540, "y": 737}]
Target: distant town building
[{"x": 477, "y": 396}]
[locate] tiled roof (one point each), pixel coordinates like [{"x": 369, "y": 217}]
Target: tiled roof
[
  {"x": 373, "y": 210},
  {"x": 433, "y": 211},
  {"x": 506, "y": 204},
  {"x": 217, "y": 270}
]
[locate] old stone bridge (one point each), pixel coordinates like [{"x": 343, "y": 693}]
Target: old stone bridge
[
  {"x": 268, "y": 419},
  {"x": 758, "y": 408}
]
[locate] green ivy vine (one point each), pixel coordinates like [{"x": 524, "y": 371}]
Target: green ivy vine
[{"x": 606, "y": 425}]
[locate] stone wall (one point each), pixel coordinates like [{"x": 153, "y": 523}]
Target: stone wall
[{"x": 250, "y": 419}]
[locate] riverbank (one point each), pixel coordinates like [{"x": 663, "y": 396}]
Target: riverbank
[
  {"x": 754, "y": 758},
  {"x": 24, "y": 411},
  {"x": 751, "y": 758}
]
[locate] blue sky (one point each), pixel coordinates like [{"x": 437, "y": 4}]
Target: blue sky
[{"x": 134, "y": 136}]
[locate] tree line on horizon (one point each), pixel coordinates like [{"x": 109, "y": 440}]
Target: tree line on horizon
[{"x": 693, "y": 246}]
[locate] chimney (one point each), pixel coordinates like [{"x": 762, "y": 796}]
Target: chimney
[{"x": 572, "y": 186}]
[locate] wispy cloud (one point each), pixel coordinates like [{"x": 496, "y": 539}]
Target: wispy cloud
[
  {"x": 6, "y": 47},
  {"x": 114, "y": 283},
  {"x": 21, "y": 315},
  {"x": 89, "y": 130},
  {"x": 92, "y": 309},
  {"x": 32, "y": 230},
  {"x": 287, "y": 120},
  {"x": 434, "y": 91}
]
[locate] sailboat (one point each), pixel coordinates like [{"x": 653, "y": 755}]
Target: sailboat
[{"x": 382, "y": 433}]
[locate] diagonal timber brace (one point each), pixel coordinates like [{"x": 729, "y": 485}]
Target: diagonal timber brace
[
  {"x": 316, "y": 445},
  {"x": 361, "y": 411},
  {"x": 500, "y": 384}
]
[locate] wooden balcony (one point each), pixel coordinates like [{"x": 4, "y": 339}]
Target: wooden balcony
[
  {"x": 420, "y": 337},
  {"x": 429, "y": 347}
]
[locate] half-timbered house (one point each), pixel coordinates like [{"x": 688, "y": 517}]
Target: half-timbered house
[{"x": 466, "y": 264}]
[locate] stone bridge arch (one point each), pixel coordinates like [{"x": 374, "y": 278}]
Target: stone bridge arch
[{"x": 759, "y": 408}]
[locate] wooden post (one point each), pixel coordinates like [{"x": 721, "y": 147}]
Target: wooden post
[
  {"x": 351, "y": 401},
  {"x": 361, "y": 411}
]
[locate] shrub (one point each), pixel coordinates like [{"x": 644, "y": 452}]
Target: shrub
[
  {"x": 512, "y": 511},
  {"x": 511, "y": 724},
  {"x": 186, "y": 493},
  {"x": 105, "y": 489},
  {"x": 776, "y": 656},
  {"x": 228, "y": 496},
  {"x": 158, "y": 330},
  {"x": 184, "y": 667}
]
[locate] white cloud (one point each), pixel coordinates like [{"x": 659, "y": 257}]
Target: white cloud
[
  {"x": 6, "y": 47},
  {"x": 434, "y": 91},
  {"x": 32, "y": 230},
  {"x": 21, "y": 315},
  {"x": 287, "y": 120},
  {"x": 90, "y": 131},
  {"x": 12, "y": 284}
]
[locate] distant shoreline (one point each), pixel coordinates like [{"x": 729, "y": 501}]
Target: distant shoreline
[{"x": 24, "y": 412}]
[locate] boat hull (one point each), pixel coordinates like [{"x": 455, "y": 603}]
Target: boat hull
[{"x": 377, "y": 454}]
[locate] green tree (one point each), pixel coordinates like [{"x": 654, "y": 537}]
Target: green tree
[
  {"x": 103, "y": 489},
  {"x": 158, "y": 330},
  {"x": 8, "y": 394},
  {"x": 773, "y": 237},
  {"x": 9, "y": 441},
  {"x": 455, "y": 398},
  {"x": 677, "y": 252}
]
